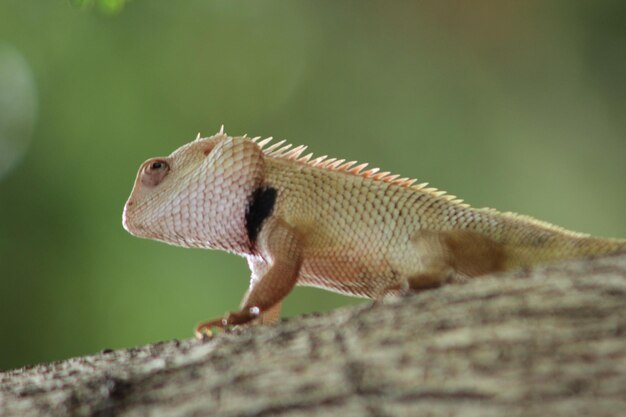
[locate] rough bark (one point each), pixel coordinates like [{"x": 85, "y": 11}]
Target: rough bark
[{"x": 545, "y": 342}]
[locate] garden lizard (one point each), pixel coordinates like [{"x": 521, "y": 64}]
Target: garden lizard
[{"x": 328, "y": 223}]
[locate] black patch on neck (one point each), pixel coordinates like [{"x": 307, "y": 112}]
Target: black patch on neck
[{"x": 260, "y": 207}]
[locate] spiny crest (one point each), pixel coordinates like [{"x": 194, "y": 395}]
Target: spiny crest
[
  {"x": 220, "y": 133},
  {"x": 282, "y": 150}
]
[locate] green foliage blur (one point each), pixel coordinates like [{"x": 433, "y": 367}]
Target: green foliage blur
[{"x": 514, "y": 105}]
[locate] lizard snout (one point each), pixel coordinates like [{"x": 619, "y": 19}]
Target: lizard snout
[{"x": 127, "y": 217}]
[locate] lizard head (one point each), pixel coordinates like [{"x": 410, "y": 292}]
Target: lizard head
[
  {"x": 198, "y": 195},
  {"x": 168, "y": 193}
]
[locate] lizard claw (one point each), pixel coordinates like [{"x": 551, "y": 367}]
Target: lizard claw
[
  {"x": 206, "y": 329},
  {"x": 232, "y": 319}
]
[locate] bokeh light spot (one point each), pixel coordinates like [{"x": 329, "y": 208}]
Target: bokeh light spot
[{"x": 18, "y": 107}]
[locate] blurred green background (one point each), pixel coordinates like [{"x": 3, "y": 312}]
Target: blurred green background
[{"x": 514, "y": 105}]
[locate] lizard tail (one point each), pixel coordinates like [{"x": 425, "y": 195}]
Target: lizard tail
[{"x": 561, "y": 247}]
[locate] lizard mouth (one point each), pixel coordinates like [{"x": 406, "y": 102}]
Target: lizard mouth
[
  {"x": 135, "y": 224},
  {"x": 127, "y": 219}
]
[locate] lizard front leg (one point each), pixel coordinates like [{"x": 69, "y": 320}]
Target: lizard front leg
[
  {"x": 259, "y": 268},
  {"x": 282, "y": 245}
]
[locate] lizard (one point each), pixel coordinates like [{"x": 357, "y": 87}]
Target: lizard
[{"x": 329, "y": 223}]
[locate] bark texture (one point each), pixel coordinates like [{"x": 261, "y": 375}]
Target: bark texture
[{"x": 545, "y": 342}]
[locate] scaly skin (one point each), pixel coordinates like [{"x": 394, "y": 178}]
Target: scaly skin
[{"x": 329, "y": 224}]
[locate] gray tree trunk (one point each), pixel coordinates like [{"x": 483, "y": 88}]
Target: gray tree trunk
[{"x": 545, "y": 342}]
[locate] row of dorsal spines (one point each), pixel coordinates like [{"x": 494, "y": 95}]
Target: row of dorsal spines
[{"x": 286, "y": 151}]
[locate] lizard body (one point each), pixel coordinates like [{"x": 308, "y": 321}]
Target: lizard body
[{"x": 329, "y": 223}]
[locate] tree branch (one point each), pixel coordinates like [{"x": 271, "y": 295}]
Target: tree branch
[{"x": 544, "y": 342}]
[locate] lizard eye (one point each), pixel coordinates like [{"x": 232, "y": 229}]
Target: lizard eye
[
  {"x": 154, "y": 171},
  {"x": 158, "y": 165}
]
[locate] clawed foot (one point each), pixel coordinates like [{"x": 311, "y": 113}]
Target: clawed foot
[
  {"x": 205, "y": 329},
  {"x": 226, "y": 323}
]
